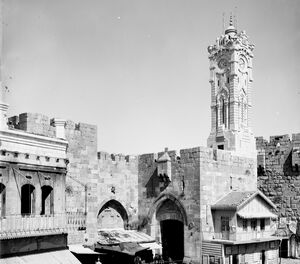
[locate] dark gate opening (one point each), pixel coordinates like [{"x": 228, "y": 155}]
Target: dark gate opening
[
  {"x": 27, "y": 199},
  {"x": 283, "y": 250},
  {"x": 172, "y": 235}
]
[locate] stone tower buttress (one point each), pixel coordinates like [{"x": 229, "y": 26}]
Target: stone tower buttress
[{"x": 231, "y": 85}]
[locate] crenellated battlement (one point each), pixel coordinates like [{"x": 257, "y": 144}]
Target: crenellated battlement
[
  {"x": 203, "y": 153},
  {"x": 278, "y": 139},
  {"x": 33, "y": 123},
  {"x": 39, "y": 124},
  {"x": 279, "y": 152},
  {"x": 112, "y": 157}
]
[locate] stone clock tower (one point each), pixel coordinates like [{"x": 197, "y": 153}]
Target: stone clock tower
[{"x": 231, "y": 84}]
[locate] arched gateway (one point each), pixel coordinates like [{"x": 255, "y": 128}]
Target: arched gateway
[{"x": 168, "y": 218}]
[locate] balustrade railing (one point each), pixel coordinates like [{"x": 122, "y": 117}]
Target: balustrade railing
[
  {"x": 76, "y": 220},
  {"x": 20, "y": 225},
  {"x": 246, "y": 235}
]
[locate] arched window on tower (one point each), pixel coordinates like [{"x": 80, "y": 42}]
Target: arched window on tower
[
  {"x": 223, "y": 112},
  {"x": 2, "y": 200},
  {"x": 223, "y": 109},
  {"x": 245, "y": 112},
  {"x": 243, "y": 109}
]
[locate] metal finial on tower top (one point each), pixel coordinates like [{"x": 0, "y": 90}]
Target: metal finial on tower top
[
  {"x": 230, "y": 20},
  {"x": 223, "y": 22},
  {"x": 231, "y": 29}
]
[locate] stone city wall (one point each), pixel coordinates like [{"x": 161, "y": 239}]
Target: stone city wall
[{"x": 278, "y": 162}]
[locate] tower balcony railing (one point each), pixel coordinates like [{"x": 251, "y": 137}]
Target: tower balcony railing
[{"x": 29, "y": 225}]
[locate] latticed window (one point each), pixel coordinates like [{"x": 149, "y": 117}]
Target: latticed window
[
  {"x": 242, "y": 258},
  {"x": 253, "y": 224},
  {"x": 245, "y": 224},
  {"x": 262, "y": 224},
  {"x": 224, "y": 223}
]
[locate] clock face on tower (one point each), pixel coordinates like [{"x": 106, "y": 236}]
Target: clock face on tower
[{"x": 223, "y": 63}]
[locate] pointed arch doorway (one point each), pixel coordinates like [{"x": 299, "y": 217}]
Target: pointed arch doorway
[{"x": 168, "y": 220}]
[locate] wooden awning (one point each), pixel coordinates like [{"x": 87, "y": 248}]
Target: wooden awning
[
  {"x": 128, "y": 248},
  {"x": 53, "y": 257}
]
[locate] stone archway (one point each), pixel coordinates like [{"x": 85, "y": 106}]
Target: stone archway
[
  {"x": 112, "y": 215},
  {"x": 168, "y": 218}
]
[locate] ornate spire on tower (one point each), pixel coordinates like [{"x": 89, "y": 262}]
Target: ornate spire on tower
[{"x": 231, "y": 86}]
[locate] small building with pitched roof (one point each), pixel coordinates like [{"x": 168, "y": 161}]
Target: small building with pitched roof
[{"x": 242, "y": 229}]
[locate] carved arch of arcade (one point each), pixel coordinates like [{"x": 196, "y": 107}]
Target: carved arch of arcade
[
  {"x": 112, "y": 214},
  {"x": 174, "y": 209}
]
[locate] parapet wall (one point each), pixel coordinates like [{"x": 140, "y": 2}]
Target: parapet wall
[
  {"x": 278, "y": 162},
  {"x": 105, "y": 156},
  {"x": 42, "y": 125},
  {"x": 37, "y": 124}
]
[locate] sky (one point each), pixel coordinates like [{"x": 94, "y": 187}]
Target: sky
[{"x": 139, "y": 70}]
